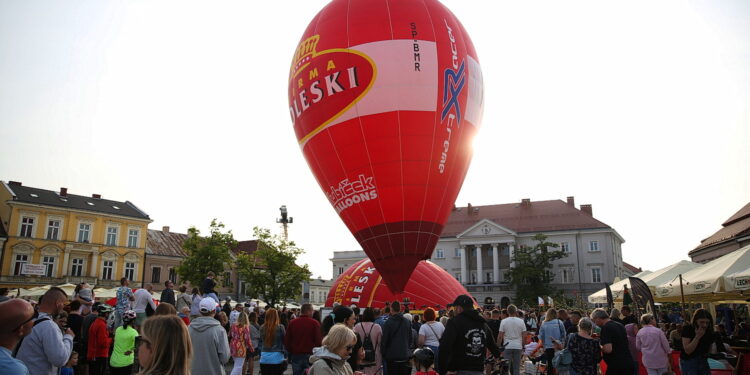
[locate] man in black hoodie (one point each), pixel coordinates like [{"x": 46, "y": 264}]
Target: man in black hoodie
[
  {"x": 466, "y": 339},
  {"x": 394, "y": 345}
]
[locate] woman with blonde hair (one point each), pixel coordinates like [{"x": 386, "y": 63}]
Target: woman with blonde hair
[
  {"x": 550, "y": 332},
  {"x": 165, "y": 347},
  {"x": 330, "y": 359},
  {"x": 271, "y": 344},
  {"x": 239, "y": 342}
]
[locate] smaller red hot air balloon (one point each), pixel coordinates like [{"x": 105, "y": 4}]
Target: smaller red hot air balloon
[{"x": 362, "y": 285}]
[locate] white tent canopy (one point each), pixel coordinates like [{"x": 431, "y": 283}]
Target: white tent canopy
[
  {"x": 708, "y": 281},
  {"x": 739, "y": 280},
  {"x": 601, "y": 296},
  {"x": 652, "y": 279}
]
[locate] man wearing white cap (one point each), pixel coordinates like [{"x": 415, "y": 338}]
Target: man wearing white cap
[{"x": 209, "y": 339}]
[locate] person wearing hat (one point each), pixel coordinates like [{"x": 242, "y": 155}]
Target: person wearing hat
[
  {"x": 209, "y": 339},
  {"x": 466, "y": 339},
  {"x": 121, "y": 362},
  {"x": 99, "y": 341}
]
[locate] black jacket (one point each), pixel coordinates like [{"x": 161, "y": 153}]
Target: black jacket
[
  {"x": 394, "y": 344},
  {"x": 465, "y": 342},
  {"x": 167, "y": 295}
]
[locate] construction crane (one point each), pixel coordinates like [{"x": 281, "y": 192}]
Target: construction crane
[{"x": 285, "y": 220}]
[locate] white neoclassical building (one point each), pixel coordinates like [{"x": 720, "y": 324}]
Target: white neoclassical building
[{"x": 477, "y": 244}]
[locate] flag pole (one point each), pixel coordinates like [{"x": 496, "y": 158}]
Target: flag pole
[{"x": 682, "y": 293}]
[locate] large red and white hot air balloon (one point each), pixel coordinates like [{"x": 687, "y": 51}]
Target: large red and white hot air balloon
[
  {"x": 386, "y": 97},
  {"x": 363, "y": 285}
]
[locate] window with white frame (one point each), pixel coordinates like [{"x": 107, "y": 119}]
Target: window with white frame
[
  {"x": 27, "y": 226},
  {"x": 341, "y": 270},
  {"x": 111, "y": 236},
  {"x": 596, "y": 275},
  {"x": 20, "y": 260},
  {"x": 108, "y": 268},
  {"x": 439, "y": 254},
  {"x": 567, "y": 275},
  {"x": 457, "y": 252},
  {"x": 156, "y": 274},
  {"x": 458, "y": 276},
  {"x": 593, "y": 245},
  {"x": 84, "y": 232},
  {"x": 49, "y": 266},
  {"x": 77, "y": 268},
  {"x": 564, "y": 246},
  {"x": 132, "y": 237},
  {"x": 130, "y": 271},
  {"x": 173, "y": 275},
  {"x": 488, "y": 278},
  {"x": 53, "y": 229}
]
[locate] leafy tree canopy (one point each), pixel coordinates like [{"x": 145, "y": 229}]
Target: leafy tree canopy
[
  {"x": 271, "y": 272},
  {"x": 532, "y": 274},
  {"x": 209, "y": 253}
]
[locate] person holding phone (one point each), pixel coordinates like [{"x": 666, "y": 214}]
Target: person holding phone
[{"x": 696, "y": 344}]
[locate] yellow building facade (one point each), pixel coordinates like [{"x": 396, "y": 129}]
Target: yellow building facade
[{"x": 54, "y": 237}]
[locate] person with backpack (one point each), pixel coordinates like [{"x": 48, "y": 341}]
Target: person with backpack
[
  {"x": 397, "y": 335},
  {"x": 371, "y": 333},
  {"x": 302, "y": 335},
  {"x": 430, "y": 333}
]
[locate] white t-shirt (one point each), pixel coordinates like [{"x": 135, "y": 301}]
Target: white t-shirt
[
  {"x": 143, "y": 298},
  {"x": 513, "y": 329},
  {"x": 430, "y": 337}
]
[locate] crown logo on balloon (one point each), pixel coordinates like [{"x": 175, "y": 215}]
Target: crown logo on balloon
[{"x": 304, "y": 54}]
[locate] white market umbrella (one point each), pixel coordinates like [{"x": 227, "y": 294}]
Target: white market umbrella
[
  {"x": 105, "y": 293},
  {"x": 652, "y": 279},
  {"x": 68, "y": 288},
  {"x": 601, "y": 296},
  {"x": 709, "y": 281},
  {"x": 739, "y": 281}
]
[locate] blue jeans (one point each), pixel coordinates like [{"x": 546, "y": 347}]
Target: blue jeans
[
  {"x": 695, "y": 366},
  {"x": 216, "y": 298},
  {"x": 300, "y": 362}
]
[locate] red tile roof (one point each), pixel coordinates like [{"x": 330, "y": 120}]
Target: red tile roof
[
  {"x": 246, "y": 247},
  {"x": 539, "y": 216},
  {"x": 632, "y": 268},
  {"x": 736, "y": 226},
  {"x": 165, "y": 243}
]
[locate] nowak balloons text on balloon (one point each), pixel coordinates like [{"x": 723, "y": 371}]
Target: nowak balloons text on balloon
[{"x": 386, "y": 98}]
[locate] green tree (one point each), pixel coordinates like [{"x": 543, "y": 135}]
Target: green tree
[
  {"x": 532, "y": 273},
  {"x": 271, "y": 272},
  {"x": 210, "y": 253}
]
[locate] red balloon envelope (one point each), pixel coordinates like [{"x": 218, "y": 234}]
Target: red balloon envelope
[
  {"x": 386, "y": 97},
  {"x": 362, "y": 285}
]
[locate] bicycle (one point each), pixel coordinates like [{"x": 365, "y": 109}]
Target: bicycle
[{"x": 501, "y": 367}]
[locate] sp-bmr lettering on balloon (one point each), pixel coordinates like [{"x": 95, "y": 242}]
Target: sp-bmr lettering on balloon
[{"x": 386, "y": 100}]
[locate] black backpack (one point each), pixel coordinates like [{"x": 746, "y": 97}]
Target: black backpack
[{"x": 369, "y": 347}]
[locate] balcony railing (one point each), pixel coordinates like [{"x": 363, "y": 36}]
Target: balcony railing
[{"x": 41, "y": 280}]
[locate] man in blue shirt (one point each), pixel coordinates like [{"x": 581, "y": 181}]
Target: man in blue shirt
[{"x": 17, "y": 316}]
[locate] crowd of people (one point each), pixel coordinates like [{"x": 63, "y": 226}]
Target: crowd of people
[{"x": 192, "y": 333}]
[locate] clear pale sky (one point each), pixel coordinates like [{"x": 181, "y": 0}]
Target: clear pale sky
[{"x": 641, "y": 109}]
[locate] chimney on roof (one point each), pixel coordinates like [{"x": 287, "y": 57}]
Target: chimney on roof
[
  {"x": 586, "y": 208},
  {"x": 165, "y": 229},
  {"x": 96, "y": 196},
  {"x": 468, "y": 209},
  {"x": 16, "y": 183},
  {"x": 63, "y": 192},
  {"x": 572, "y": 201},
  {"x": 526, "y": 202}
]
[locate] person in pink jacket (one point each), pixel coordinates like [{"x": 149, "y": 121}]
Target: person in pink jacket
[{"x": 653, "y": 345}]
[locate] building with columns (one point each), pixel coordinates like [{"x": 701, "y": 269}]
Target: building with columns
[
  {"x": 54, "y": 237},
  {"x": 478, "y": 242}
]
